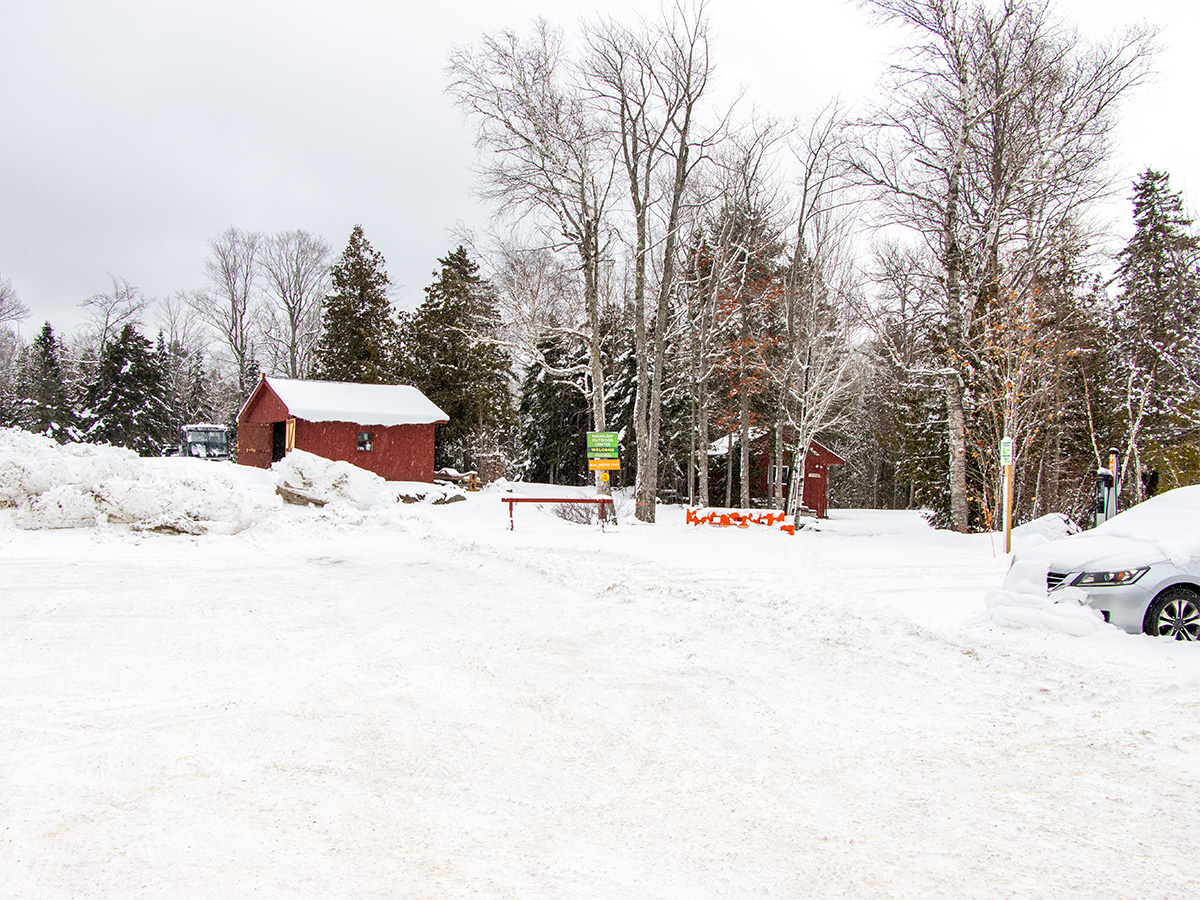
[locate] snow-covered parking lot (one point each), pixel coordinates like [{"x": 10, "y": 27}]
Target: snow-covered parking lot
[{"x": 376, "y": 699}]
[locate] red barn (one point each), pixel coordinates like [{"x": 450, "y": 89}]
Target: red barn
[
  {"x": 385, "y": 428},
  {"x": 815, "y": 493}
]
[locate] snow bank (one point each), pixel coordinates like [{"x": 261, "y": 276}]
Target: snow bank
[
  {"x": 1065, "y": 613},
  {"x": 303, "y": 477},
  {"x": 1024, "y": 603},
  {"x": 31, "y": 465},
  {"x": 85, "y": 485},
  {"x": 323, "y": 481}
]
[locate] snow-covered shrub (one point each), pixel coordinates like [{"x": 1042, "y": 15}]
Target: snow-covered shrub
[{"x": 589, "y": 513}]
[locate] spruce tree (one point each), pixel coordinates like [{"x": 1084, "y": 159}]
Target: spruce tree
[
  {"x": 199, "y": 406},
  {"x": 128, "y": 403},
  {"x": 445, "y": 353},
  {"x": 1155, "y": 332},
  {"x": 358, "y": 326},
  {"x": 1157, "y": 307},
  {"x": 44, "y": 402}
]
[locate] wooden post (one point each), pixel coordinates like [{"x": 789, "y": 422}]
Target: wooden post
[
  {"x": 1008, "y": 498},
  {"x": 1006, "y": 460}
]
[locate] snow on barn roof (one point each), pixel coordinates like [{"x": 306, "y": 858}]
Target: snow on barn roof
[{"x": 364, "y": 404}]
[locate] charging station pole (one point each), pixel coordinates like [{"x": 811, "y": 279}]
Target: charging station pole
[{"x": 1108, "y": 488}]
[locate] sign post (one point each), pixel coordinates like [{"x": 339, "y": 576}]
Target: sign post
[
  {"x": 603, "y": 450},
  {"x": 1006, "y": 460}
]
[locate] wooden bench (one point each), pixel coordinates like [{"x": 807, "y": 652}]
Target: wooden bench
[{"x": 601, "y": 502}]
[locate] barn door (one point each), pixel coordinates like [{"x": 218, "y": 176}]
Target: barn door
[{"x": 290, "y": 440}]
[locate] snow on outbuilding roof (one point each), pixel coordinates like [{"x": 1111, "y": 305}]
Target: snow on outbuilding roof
[{"x": 364, "y": 404}]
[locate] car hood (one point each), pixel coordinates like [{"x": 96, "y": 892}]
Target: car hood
[
  {"x": 1096, "y": 552},
  {"x": 1163, "y": 528}
]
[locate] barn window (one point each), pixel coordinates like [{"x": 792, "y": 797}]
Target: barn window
[{"x": 364, "y": 441}]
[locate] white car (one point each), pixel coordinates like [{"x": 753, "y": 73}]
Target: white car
[{"x": 1141, "y": 568}]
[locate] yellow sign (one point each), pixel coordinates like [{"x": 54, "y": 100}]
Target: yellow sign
[
  {"x": 604, "y": 464},
  {"x": 604, "y": 476}
]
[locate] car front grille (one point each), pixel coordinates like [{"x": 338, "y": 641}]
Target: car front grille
[{"x": 1054, "y": 579}]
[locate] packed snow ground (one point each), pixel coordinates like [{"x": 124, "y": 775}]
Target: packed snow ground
[{"x": 379, "y": 699}]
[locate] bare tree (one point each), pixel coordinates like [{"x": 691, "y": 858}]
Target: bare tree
[
  {"x": 108, "y": 313},
  {"x": 295, "y": 273},
  {"x": 538, "y": 298},
  {"x": 11, "y": 307},
  {"x": 817, "y": 365},
  {"x": 228, "y": 304},
  {"x": 179, "y": 322},
  {"x": 988, "y": 146},
  {"x": 732, "y": 239},
  {"x": 185, "y": 342},
  {"x": 650, "y": 83},
  {"x": 547, "y": 155}
]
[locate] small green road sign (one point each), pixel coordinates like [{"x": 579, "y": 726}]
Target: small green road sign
[
  {"x": 602, "y": 445},
  {"x": 1006, "y": 451}
]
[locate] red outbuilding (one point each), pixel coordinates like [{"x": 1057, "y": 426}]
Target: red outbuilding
[
  {"x": 815, "y": 494},
  {"x": 385, "y": 428}
]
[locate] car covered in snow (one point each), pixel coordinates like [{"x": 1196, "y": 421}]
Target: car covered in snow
[{"x": 1140, "y": 569}]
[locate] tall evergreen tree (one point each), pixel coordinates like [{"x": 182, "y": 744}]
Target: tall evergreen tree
[
  {"x": 359, "y": 331},
  {"x": 44, "y": 402},
  {"x": 128, "y": 403},
  {"x": 199, "y": 406},
  {"x": 1155, "y": 336},
  {"x": 445, "y": 352}
]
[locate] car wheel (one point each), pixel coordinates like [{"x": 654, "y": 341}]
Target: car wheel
[{"x": 1174, "y": 613}]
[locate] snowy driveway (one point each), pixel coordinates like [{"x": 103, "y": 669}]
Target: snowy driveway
[{"x": 419, "y": 703}]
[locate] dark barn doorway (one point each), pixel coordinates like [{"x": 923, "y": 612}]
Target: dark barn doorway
[{"x": 278, "y": 441}]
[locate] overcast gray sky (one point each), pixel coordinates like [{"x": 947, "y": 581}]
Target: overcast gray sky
[{"x": 132, "y": 132}]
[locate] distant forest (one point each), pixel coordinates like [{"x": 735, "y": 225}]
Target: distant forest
[{"x": 908, "y": 284}]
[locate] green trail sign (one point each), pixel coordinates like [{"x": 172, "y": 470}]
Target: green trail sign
[{"x": 602, "y": 445}]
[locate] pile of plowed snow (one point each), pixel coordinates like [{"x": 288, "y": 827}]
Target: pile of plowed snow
[
  {"x": 86, "y": 485},
  {"x": 303, "y": 476},
  {"x": 80, "y": 485}
]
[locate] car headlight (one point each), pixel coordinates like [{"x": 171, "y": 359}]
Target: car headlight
[{"x": 1110, "y": 579}]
